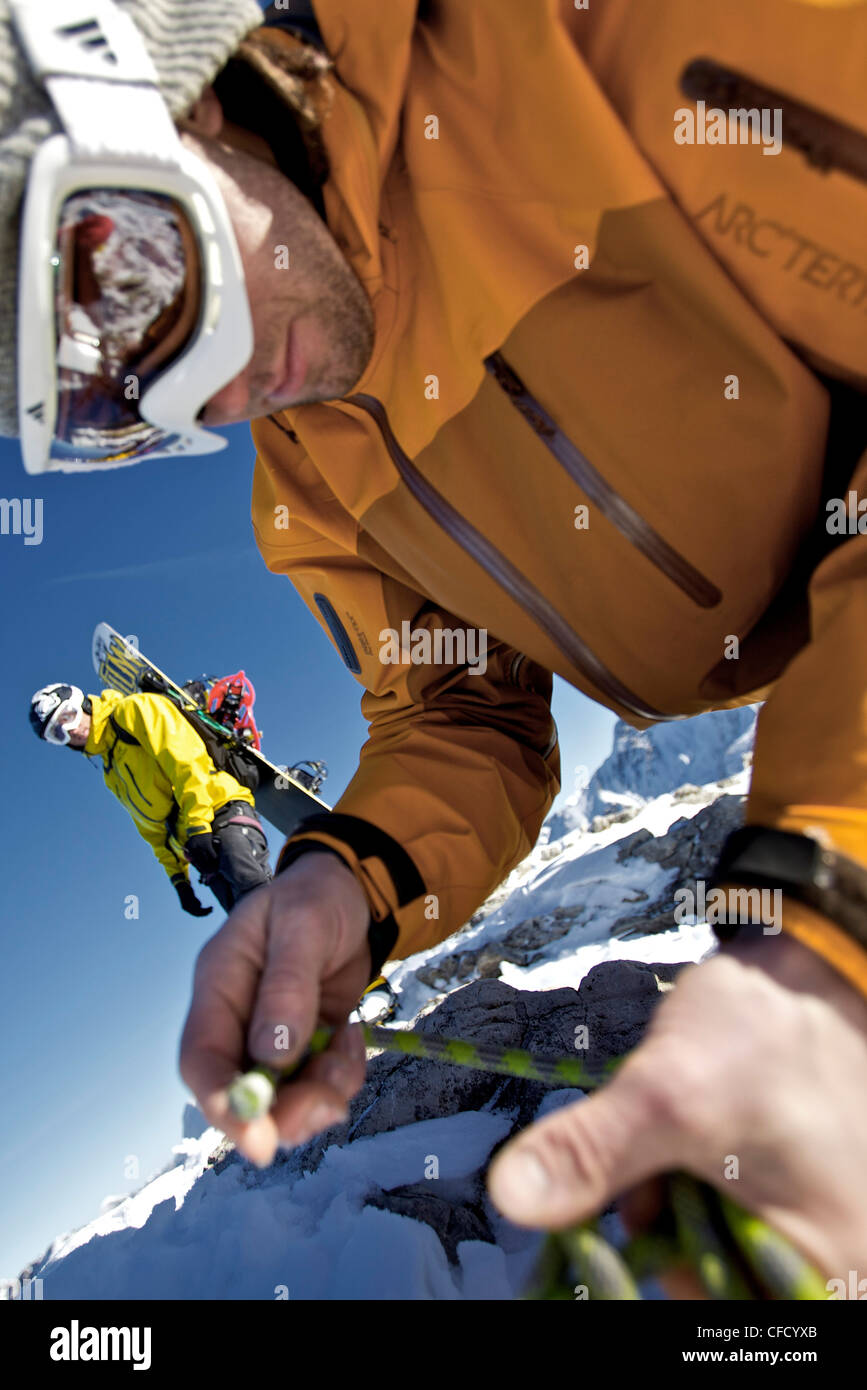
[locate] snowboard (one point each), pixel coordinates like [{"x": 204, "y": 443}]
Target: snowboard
[{"x": 280, "y": 797}]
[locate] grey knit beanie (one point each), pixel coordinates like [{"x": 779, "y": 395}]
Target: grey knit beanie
[{"x": 189, "y": 42}]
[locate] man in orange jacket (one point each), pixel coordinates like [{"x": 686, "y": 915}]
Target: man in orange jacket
[{"x": 559, "y": 362}]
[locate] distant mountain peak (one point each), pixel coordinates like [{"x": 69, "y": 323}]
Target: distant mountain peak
[{"x": 646, "y": 763}]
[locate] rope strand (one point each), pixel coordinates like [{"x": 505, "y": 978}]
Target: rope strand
[{"x": 720, "y": 1241}]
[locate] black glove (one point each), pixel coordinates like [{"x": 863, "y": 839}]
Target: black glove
[
  {"x": 203, "y": 853},
  {"x": 189, "y": 901}
]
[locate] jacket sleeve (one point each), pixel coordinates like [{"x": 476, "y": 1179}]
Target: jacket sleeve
[
  {"x": 156, "y": 837},
  {"x": 810, "y": 762},
  {"x": 180, "y": 755},
  {"x": 461, "y": 764}
]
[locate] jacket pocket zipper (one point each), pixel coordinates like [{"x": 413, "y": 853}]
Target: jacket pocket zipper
[
  {"x": 138, "y": 788},
  {"x": 615, "y": 508},
  {"x": 516, "y": 585},
  {"x": 826, "y": 143}
]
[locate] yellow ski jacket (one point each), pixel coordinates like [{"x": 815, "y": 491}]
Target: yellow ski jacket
[
  {"x": 159, "y": 770},
  {"x": 595, "y": 425}
]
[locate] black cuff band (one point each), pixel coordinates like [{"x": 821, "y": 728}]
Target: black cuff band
[
  {"x": 299, "y": 847},
  {"x": 367, "y": 841},
  {"x": 827, "y": 881}
]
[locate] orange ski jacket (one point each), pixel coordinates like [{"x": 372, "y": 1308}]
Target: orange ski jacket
[{"x": 595, "y": 435}]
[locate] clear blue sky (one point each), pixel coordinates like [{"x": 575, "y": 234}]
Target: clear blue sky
[{"x": 91, "y": 1003}]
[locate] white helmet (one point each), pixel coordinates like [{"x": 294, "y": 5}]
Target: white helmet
[{"x": 56, "y": 712}]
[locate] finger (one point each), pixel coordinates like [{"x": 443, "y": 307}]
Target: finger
[
  {"x": 286, "y": 1008},
  {"x": 327, "y": 1082},
  {"x": 317, "y": 1100},
  {"x": 213, "y": 1039},
  {"x": 571, "y": 1164},
  {"x": 343, "y": 1065},
  {"x": 213, "y": 1044},
  {"x": 306, "y": 1108},
  {"x": 640, "y": 1209},
  {"x": 683, "y": 1285}
]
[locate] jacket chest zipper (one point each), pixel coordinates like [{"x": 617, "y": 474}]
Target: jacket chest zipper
[
  {"x": 613, "y": 507},
  {"x": 501, "y": 569}
]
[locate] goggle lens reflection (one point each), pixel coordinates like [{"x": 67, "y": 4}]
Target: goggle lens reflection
[{"x": 127, "y": 297}]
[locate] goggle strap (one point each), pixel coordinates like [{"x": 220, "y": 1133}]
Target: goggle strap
[
  {"x": 73, "y": 45},
  {"x": 135, "y": 119},
  {"x": 82, "y": 38}
]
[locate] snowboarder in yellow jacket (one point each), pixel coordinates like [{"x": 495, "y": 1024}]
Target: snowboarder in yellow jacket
[{"x": 160, "y": 771}]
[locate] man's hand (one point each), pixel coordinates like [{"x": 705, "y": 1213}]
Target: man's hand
[
  {"x": 189, "y": 902},
  {"x": 202, "y": 852},
  {"x": 292, "y": 953},
  {"x": 758, "y": 1056}
]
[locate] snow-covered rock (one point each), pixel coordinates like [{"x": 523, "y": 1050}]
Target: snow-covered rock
[
  {"x": 393, "y": 1204},
  {"x": 645, "y": 763},
  {"x": 407, "y": 1169},
  {"x": 194, "y": 1123}
]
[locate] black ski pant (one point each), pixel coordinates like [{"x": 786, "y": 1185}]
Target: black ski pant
[{"x": 243, "y": 849}]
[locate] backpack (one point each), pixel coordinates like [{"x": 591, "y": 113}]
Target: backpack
[{"x": 222, "y": 749}]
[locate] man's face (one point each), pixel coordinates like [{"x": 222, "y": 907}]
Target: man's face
[
  {"x": 312, "y": 321},
  {"x": 79, "y": 737}
]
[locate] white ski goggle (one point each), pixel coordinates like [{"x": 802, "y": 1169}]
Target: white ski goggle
[
  {"x": 63, "y": 723},
  {"x": 133, "y": 310}
]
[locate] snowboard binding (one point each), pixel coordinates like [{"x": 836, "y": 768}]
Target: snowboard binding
[
  {"x": 311, "y": 779},
  {"x": 379, "y": 1002}
]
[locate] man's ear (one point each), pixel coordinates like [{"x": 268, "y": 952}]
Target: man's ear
[{"x": 206, "y": 117}]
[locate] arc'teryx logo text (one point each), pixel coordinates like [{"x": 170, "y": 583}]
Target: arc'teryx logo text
[{"x": 788, "y": 248}]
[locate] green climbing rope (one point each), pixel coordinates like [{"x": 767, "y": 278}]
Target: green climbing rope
[
  {"x": 253, "y": 1093},
  {"x": 733, "y": 1253}
]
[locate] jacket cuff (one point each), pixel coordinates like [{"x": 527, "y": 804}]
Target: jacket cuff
[
  {"x": 820, "y": 893},
  {"x": 812, "y": 929},
  {"x": 388, "y": 877},
  {"x": 829, "y": 941}
]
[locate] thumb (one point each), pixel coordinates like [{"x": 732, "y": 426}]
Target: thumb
[{"x": 570, "y": 1165}]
